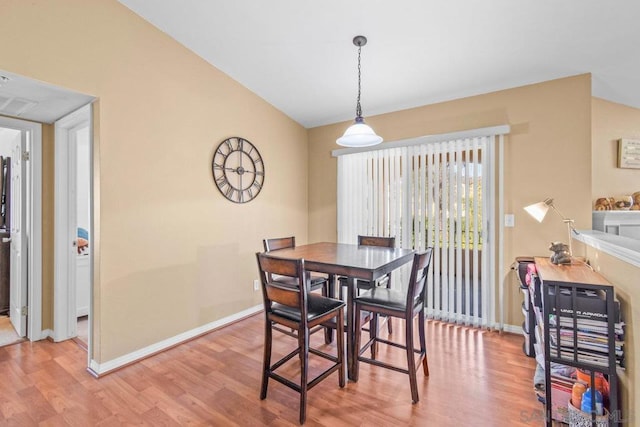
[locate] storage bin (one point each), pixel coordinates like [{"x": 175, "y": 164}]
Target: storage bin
[
  {"x": 525, "y": 328},
  {"x": 526, "y": 348},
  {"x": 577, "y": 418},
  {"x": 525, "y": 313},
  {"x": 525, "y": 293}
]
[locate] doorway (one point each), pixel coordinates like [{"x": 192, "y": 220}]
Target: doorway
[
  {"x": 73, "y": 227},
  {"x": 36, "y": 102},
  {"x": 10, "y": 141},
  {"x": 20, "y": 227}
]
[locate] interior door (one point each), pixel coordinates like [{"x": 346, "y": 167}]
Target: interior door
[{"x": 18, "y": 262}]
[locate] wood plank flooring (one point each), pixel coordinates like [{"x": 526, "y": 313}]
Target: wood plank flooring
[
  {"x": 8, "y": 334},
  {"x": 478, "y": 378}
]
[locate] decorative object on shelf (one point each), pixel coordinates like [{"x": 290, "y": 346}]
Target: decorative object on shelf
[
  {"x": 238, "y": 170},
  {"x": 539, "y": 210},
  {"x": 561, "y": 254},
  {"x": 629, "y": 153},
  {"x": 359, "y": 134},
  {"x": 604, "y": 204},
  {"x": 623, "y": 203},
  {"x": 577, "y": 391},
  {"x": 636, "y": 201}
]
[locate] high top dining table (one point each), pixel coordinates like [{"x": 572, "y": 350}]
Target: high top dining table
[{"x": 353, "y": 262}]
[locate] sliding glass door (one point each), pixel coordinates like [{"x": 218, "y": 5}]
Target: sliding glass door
[{"x": 439, "y": 194}]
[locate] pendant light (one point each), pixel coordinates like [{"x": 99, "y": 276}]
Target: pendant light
[{"x": 359, "y": 134}]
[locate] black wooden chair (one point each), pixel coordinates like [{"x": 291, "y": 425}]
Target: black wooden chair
[
  {"x": 324, "y": 284},
  {"x": 385, "y": 242},
  {"x": 317, "y": 281},
  {"x": 299, "y": 309},
  {"x": 407, "y": 306}
]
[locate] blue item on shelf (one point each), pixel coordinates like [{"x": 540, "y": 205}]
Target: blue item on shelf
[{"x": 586, "y": 402}]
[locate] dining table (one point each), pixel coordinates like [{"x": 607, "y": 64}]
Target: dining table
[{"x": 353, "y": 262}]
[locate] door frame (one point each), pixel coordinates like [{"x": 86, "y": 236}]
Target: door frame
[
  {"x": 33, "y": 225},
  {"x": 64, "y": 309}
]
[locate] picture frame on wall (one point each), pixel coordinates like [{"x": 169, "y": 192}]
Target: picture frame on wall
[{"x": 629, "y": 153}]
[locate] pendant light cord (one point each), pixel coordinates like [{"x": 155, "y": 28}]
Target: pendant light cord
[{"x": 358, "y": 107}]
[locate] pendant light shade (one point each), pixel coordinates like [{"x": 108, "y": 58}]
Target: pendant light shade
[{"x": 359, "y": 134}]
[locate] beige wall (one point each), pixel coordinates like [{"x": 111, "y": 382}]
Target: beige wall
[
  {"x": 624, "y": 276},
  {"x": 48, "y": 138},
  {"x": 547, "y": 154},
  {"x": 174, "y": 254},
  {"x": 611, "y": 122}
]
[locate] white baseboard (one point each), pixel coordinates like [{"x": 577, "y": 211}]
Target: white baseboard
[
  {"x": 513, "y": 329},
  {"x": 44, "y": 334},
  {"x": 105, "y": 367}
]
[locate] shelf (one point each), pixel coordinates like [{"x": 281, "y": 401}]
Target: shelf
[{"x": 579, "y": 314}]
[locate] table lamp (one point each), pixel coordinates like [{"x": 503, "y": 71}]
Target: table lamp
[{"x": 539, "y": 210}]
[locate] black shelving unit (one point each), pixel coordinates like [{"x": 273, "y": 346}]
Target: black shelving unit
[
  {"x": 528, "y": 327},
  {"x": 562, "y": 300}
]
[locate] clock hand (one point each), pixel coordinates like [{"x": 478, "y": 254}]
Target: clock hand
[{"x": 254, "y": 172}]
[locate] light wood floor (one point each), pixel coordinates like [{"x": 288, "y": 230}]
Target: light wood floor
[
  {"x": 478, "y": 378},
  {"x": 8, "y": 334}
]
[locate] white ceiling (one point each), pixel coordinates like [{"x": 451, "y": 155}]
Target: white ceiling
[
  {"x": 298, "y": 55},
  {"x": 30, "y": 99}
]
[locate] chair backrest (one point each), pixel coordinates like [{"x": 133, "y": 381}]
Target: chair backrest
[
  {"x": 418, "y": 278},
  {"x": 273, "y": 291},
  {"x": 279, "y": 243},
  {"x": 386, "y": 242}
]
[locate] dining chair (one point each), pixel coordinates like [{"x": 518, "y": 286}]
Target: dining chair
[
  {"x": 385, "y": 242},
  {"x": 299, "y": 309},
  {"x": 317, "y": 281},
  {"x": 404, "y": 305}
]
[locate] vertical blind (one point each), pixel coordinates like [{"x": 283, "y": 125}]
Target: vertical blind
[{"x": 437, "y": 194}]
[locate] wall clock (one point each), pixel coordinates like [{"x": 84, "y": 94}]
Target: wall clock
[{"x": 238, "y": 170}]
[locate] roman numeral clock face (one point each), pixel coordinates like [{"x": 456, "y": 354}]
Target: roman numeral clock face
[{"x": 238, "y": 170}]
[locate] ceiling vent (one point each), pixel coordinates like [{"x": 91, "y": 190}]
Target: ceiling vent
[{"x": 12, "y": 106}]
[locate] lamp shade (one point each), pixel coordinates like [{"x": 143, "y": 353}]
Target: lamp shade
[
  {"x": 539, "y": 210},
  {"x": 359, "y": 134}
]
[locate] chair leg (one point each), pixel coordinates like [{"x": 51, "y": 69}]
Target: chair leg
[
  {"x": 356, "y": 345},
  {"x": 423, "y": 343},
  {"x": 373, "y": 334},
  {"x": 303, "y": 342},
  {"x": 266, "y": 364},
  {"x": 389, "y": 327},
  {"x": 411, "y": 364},
  {"x": 340, "y": 347},
  {"x": 327, "y": 291}
]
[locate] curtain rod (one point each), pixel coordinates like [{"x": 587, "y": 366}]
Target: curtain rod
[{"x": 471, "y": 133}]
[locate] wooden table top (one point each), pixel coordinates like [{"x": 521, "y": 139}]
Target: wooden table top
[
  {"x": 364, "y": 262},
  {"x": 576, "y": 272}
]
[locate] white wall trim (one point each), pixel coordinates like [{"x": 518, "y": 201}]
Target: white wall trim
[
  {"x": 46, "y": 333},
  {"x": 623, "y": 248},
  {"x": 64, "y": 295},
  {"x": 34, "y": 219},
  {"x": 106, "y": 367},
  {"x": 471, "y": 133},
  {"x": 500, "y": 224}
]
